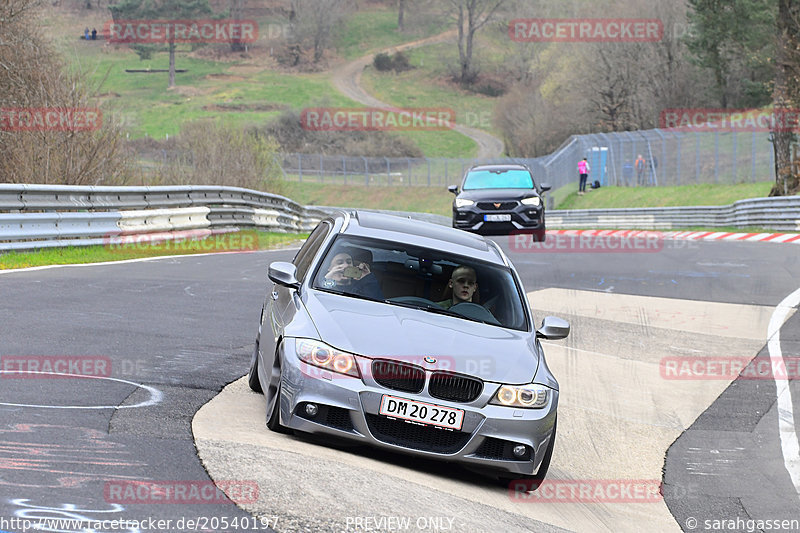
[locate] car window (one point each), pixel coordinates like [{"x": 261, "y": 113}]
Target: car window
[
  {"x": 413, "y": 276},
  {"x": 309, "y": 249},
  {"x": 493, "y": 179}
]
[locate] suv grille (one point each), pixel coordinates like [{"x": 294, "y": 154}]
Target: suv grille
[
  {"x": 453, "y": 387},
  {"x": 398, "y": 376},
  {"x": 489, "y": 206},
  {"x": 416, "y": 437}
]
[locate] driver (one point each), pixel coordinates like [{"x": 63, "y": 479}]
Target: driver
[{"x": 463, "y": 284}]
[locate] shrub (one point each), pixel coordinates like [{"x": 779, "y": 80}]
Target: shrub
[{"x": 383, "y": 62}]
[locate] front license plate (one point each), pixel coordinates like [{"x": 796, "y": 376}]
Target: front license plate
[
  {"x": 425, "y": 413},
  {"x": 497, "y": 218}
]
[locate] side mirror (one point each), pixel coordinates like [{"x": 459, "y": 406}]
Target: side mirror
[
  {"x": 453, "y": 189},
  {"x": 553, "y": 328},
  {"x": 284, "y": 274},
  {"x": 544, "y": 187}
]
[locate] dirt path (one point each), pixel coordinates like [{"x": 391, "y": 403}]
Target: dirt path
[{"x": 347, "y": 79}]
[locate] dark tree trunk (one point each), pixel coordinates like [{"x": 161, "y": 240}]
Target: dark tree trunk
[{"x": 786, "y": 181}]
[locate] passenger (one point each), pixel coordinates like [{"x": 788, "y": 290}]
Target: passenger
[
  {"x": 352, "y": 279},
  {"x": 464, "y": 287}
]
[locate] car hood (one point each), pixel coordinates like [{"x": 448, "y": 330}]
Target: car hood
[
  {"x": 484, "y": 195},
  {"x": 376, "y": 329}
]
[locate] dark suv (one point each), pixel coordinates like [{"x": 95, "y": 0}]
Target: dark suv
[{"x": 499, "y": 199}]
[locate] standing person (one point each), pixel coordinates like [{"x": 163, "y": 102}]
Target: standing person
[
  {"x": 94, "y": 34},
  {"x": 86, "y": 34},
  {"x": 583, "y": 172},
  {"x": 640, "y": 165}
]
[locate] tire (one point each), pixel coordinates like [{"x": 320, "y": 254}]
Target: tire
[{"x": 252, "y": 377}]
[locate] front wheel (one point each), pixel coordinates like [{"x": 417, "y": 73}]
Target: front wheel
[{"x": 274, "y": 403}]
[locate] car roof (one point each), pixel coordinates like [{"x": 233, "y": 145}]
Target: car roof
[
  {"x": 405, "y": 229},
  {"x": 500, "y": 166}
]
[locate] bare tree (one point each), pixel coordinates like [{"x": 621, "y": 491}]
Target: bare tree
[
  {"x": 401, "y": 12},
  {"x": 312, "y": 24},
  {"x": 470, "y": 16},
  {"x": 32, "y": 78}
]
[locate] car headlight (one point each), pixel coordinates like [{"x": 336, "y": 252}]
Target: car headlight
[
  {"x": 533, "y": 200},
  {"x": 319, "y": 354},
  {"x": 463, "y": 202},
  {"x": 526, "y": 396}
]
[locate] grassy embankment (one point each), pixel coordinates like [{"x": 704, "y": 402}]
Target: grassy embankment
[
  {"x": 231, "y": 242},
  {"x": 243, "y": 90}
]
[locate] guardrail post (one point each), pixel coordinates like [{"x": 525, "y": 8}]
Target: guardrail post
[
  {"x": 753, "y": 157},
  {"x": 300, "y": 166},
  {"x": 344, "y": 169},
  {"x": 716, "y": 157},
  {"x": 366, "y": 171},
  {"x": 733, "y": 156},
  {"x": 409, "y": 170}
]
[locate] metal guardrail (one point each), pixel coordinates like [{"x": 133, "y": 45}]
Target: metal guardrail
[
  {"x": 43, "y": 216},
  {"x": 781, "y": 213},
  {"x": 40, "y": 216}
]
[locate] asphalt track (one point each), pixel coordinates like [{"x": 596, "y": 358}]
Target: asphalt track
[{"x": 165, "y": 336}]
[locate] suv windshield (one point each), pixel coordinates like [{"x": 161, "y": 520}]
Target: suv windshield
[
  {"x": 498, "y": 179},
  {"x": 422, "y": 278}
]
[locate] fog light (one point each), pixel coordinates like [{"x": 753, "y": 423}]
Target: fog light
[
  {"x": 520, "y": 450},
  {"x": 312, "y": 409}
]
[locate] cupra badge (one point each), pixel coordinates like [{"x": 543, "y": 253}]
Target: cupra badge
[{"x": 430, "y": 360}]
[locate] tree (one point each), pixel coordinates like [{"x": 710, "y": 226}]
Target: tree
[
  {"x": 786, "y": 94},
  {"x": 732, "y": 39},
  {"x": 160, "y": 10},
  {"x": 34, "y": 77},
  {"x": 471, "y": 16},
  {"x": 312, "y": 23},
  {"x": 401, "y": 11}
]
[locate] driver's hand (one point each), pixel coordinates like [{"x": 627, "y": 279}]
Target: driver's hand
[{"x": 336, "y": 273}]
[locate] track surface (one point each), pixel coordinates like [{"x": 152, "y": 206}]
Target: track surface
[{"x": 185, "y": 326}]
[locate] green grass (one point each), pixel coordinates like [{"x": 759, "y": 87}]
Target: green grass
[
  {"x": 209, "y": 89},
  {"x": 435, "y": 200},
  {"x": 369, "y": 31},
  {"x": 681, "y": 195},
  {"x": 238, "y": 241},
  {"x": 427, "y": 85}
]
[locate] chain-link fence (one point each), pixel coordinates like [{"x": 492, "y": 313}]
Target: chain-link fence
[{"x": 631, "y": 159}]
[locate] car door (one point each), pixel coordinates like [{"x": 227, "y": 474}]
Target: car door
[{"x": 279, "y": 308}]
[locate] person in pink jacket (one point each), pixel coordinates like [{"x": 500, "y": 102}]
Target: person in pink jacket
[{"x": 583, "y": 172}]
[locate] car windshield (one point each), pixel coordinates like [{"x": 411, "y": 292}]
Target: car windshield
[
  {"x": 498, "y": 179},
  {"x": 421, "y": 278}
]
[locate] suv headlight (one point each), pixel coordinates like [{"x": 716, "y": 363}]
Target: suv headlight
[
  {"x": 531, "y": 396},
  {"x": 319, "y": 354},
  {"x": 533, "y": 200},
  {"x": 463, "y": 202}
]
